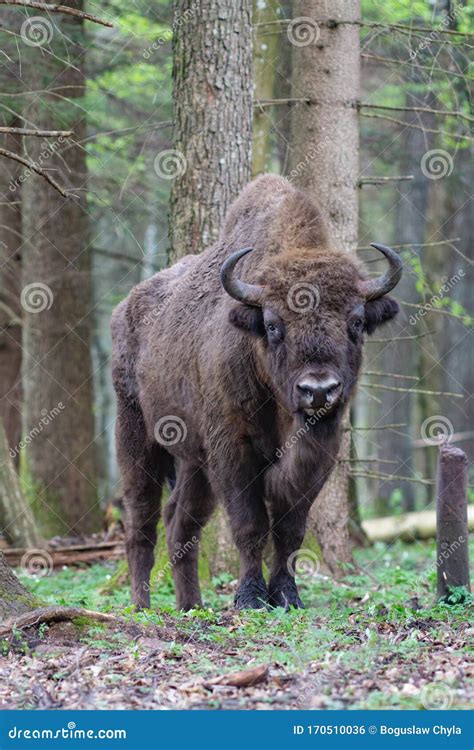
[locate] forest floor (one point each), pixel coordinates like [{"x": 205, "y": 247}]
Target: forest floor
[{"x": 376, "y": 639}]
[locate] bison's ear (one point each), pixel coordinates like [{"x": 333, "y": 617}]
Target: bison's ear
[
  {"x": 379, "y": 311},
  {"x": 248, "y": 318}
]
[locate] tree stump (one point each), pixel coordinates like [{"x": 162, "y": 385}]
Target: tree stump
[{"x": 452, "y": 527}]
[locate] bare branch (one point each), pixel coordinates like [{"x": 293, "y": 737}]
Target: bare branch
[
  {"x": 38, "y": 133},
  {"x": 432, "y": 69},
  {"x": 429, "y": 110},
  {"x": 57, "y": 9},
  {"x": 34, "y": 167},
  {"x": 411, "y": 390},
  {"x": 459, "y": 136},
  {"x": 375, "y": 180}
]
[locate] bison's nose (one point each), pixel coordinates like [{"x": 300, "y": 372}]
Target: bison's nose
[{"x": 313, "y": 393}]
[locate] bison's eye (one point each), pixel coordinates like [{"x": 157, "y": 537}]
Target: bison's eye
[
  {"x": 271, "y": 328},
  {"x": 356, "y": 326}
]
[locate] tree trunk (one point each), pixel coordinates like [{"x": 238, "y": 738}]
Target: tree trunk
[
  {"x": 212, "y": 138},
  {"x": 212, "y": 119},
  {"x": 324, "y": 161},
  {"x": 10, "y": 309},
  {"x": 264, "y": 59},
  {"x": 19, "y": 524},
  {"x": 58, "y": 463},
  {"x": 15, "y": 599}
]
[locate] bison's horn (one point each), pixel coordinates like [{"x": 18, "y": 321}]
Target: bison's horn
[
  {"x": 251, "y": 294},
  {"x": 375, "y": 288}
]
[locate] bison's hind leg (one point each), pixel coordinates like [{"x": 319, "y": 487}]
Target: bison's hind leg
[
  {"x": 188, "y": 510},
  {"x": 144, "y": 465}
]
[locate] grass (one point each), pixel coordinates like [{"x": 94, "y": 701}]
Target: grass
[{"x": 361, "y": 640}]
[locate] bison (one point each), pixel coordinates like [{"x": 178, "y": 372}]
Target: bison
[{"x": 233, "y": 370}]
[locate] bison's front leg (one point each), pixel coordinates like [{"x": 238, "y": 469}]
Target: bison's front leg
[
  {"x": 288, "y": 530},
  {"x": 250, "y": 525}
]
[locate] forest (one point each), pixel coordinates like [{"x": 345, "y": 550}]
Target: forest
[{"x": 127, "y": 132}]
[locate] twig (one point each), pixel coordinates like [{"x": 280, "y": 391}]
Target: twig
[
  {"x": 383, "y": 427},
  {"x": 391, "y": 375},
  {"x": 414, "y": 125},
  {"x": 52, "y": 614},
  {"x": 390, "y": 477},
  {"x": 411, "y": 390},
  {"x": 457, "y": 437},
  {"x": 57, "y": 9},
  {"x": 415, "y": 244},
  {"x": 392, "y": 60},
  {"x": 39, "y": 133},
  {"x": 333, "y": 23},
  {"x": 31, "y": 165},
  {"x": 401, "y": 338},
  {"x": 429, "y": 110},
  {"x": 14, "y": 319},
  {"x": 381, "y": 180}
]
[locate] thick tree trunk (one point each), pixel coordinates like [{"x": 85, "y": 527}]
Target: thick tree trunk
[
  {"x": 10, "y": 308},
  {"x": 18, "y": 521},
  {"x": 15, "y": 599},
  {"x": 324, "y": 160},
  {"x": 212, "y": 132},
  {"x": 58, "y": 463},
  {"x": 212, "y": 138}
]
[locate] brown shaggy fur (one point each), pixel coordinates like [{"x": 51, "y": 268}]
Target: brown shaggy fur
[{"x": 184, "y": 350}]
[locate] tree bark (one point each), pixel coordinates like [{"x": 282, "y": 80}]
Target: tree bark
[
  {"x": 212, "y": 138},
  {"x": 15, "y": 599},
  {"x": 212, "y": 119},
  {"x": 10, "y": 309},
  {"x": 324, "y": 161},
  {"x": 59, "y": 463},
  {"x": 18, "y": 521}
]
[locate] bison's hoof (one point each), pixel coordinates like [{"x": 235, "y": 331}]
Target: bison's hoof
[
  {"x": 251, "y": 594},
  {"x": 285, "y": 596}
]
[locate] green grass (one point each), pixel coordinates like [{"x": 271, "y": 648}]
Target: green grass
[{"x": 383, "y": 612}]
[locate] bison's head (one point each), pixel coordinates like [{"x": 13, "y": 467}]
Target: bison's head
[{"x": 310, "y": 314}]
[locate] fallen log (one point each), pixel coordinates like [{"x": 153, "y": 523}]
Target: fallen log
[
  {"x": 408, "y": 526},
  {"x": 70, "y": 555}
]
